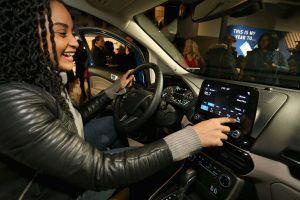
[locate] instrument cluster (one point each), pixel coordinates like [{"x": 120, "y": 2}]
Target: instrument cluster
[{"x": 178, "y": 95}]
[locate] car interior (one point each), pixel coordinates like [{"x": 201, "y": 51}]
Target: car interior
[{"x": 261, "y": 158}]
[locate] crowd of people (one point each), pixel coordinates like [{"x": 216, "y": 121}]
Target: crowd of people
[
  {"x": 106, "y": 55},
  {"x": 264, "y": 64}
]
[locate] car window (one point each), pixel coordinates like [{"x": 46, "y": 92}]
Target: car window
[
  {"x": 116, "y": 53},
  {"x": 110, "y": 51},
  {"x": 262, "y": 47},
  {"x": 120, "y": 51}
]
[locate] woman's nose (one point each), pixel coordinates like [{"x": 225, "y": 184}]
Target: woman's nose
[{"x": 73, "y": 42}]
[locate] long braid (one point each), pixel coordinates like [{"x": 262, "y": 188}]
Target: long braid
[{"x": 21, "y": 55}]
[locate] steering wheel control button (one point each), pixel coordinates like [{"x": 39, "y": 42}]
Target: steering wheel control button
[
  {"x": 225, "y": 181},
  {"x": 235, "y": 134}
]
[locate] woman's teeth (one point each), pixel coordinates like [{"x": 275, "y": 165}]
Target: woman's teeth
[{"x": 69, "y": 54}]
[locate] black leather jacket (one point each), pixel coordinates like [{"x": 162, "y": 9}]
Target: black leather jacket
[{"x": 37, "y": 143}]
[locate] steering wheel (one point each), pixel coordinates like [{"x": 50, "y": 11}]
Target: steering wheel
[{"x": 136, "y": 106}]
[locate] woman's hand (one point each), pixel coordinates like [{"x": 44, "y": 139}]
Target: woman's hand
[
  {"x": 212, "y": 132},
  {"x": 126, "y": 79}
]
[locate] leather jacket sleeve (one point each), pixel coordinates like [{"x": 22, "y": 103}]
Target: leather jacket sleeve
[
  {"x": 91, "y": 108},
  {"x": 34, "y": 131}
]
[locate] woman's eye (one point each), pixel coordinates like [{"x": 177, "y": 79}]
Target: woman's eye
[{"x": 62, "y": 34}]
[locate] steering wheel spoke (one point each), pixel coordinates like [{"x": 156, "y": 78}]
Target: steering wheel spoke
[{"x": 126, "y": 120}]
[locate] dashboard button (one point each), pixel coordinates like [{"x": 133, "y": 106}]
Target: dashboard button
[
  {"x": 235, "y": 134},
  {"x": 213, "y": 189},
  {"x": 196, "y": 117}
]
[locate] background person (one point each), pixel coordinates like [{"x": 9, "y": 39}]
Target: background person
[
  {"x": 192, "y": 55},
  {"x": 43, "y": 154},
  {"x": 99, "y": 52},
  {"x": 77, "y": 77},
  {"x": 121, "y": 59},
  {"x": 221, "y": 59},
  {"x": 294, "y": 61},
  {"x": 264, "y": 63},
  {"x": 131, "y": 57},
  {"x": 110, "y": 55}
]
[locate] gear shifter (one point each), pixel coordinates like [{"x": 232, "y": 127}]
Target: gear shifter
[{"x": 186, "y": 180}]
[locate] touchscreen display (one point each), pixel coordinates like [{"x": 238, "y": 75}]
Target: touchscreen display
[{"x": 218, "y": 99}]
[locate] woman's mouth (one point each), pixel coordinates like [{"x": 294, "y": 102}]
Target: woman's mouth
[{"x": 69, "y": 56}]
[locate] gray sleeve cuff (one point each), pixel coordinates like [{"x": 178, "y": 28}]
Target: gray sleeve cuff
[
  {"x": 112, "y": 90},
  {"x": 183, "y": 143}
]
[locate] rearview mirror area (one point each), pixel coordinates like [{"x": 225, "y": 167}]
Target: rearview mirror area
[{"x": 208, "y": 10}]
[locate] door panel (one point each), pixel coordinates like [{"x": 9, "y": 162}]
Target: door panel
[{"x": 100, "y": 79}]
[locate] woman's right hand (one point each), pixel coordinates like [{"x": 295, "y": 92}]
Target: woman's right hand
[{"x": 212, "y": 132}]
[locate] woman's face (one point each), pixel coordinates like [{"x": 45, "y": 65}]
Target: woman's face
[
  {"x": 65, "y": 41},
  {"x": 264, "y": 43}
]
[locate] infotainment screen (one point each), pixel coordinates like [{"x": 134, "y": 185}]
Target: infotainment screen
[{"x": 219, "y": 99}]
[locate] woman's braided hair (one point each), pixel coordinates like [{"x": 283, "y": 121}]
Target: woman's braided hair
[{"x": 24, "y": 55}]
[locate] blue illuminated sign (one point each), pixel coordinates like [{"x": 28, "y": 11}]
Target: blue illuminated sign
[{"x": 246, "y": 37}]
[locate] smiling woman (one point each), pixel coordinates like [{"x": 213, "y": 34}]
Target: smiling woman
[
  {"x": 43, "y": 152},
  {"x": 65, "y": 42}
]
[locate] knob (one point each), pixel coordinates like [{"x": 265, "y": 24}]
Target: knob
[
  {"x": 225, "y": 180},
  {"x": 186, "y": 180}
]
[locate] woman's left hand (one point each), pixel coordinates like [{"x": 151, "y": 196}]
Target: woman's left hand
[{"x": 126, "y": 80}]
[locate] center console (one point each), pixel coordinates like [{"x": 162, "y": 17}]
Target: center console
[
  {"x": 219, "y": 99},
  {"x": 216, "y": 171}
]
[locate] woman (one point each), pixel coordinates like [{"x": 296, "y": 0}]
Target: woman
[
  {"x": 42, "y": 152},
  {"x": 192, "y": 55}
]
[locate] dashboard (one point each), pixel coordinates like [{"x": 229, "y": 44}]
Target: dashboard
[{"x": 267, "y": 159}]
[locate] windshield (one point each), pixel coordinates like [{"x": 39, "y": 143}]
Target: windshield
[{"x": 262, "y": 47}]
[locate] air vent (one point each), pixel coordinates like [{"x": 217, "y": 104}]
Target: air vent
[
  {"x": 237, "y": 160},
  {"x": 233, "y": 157}
]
